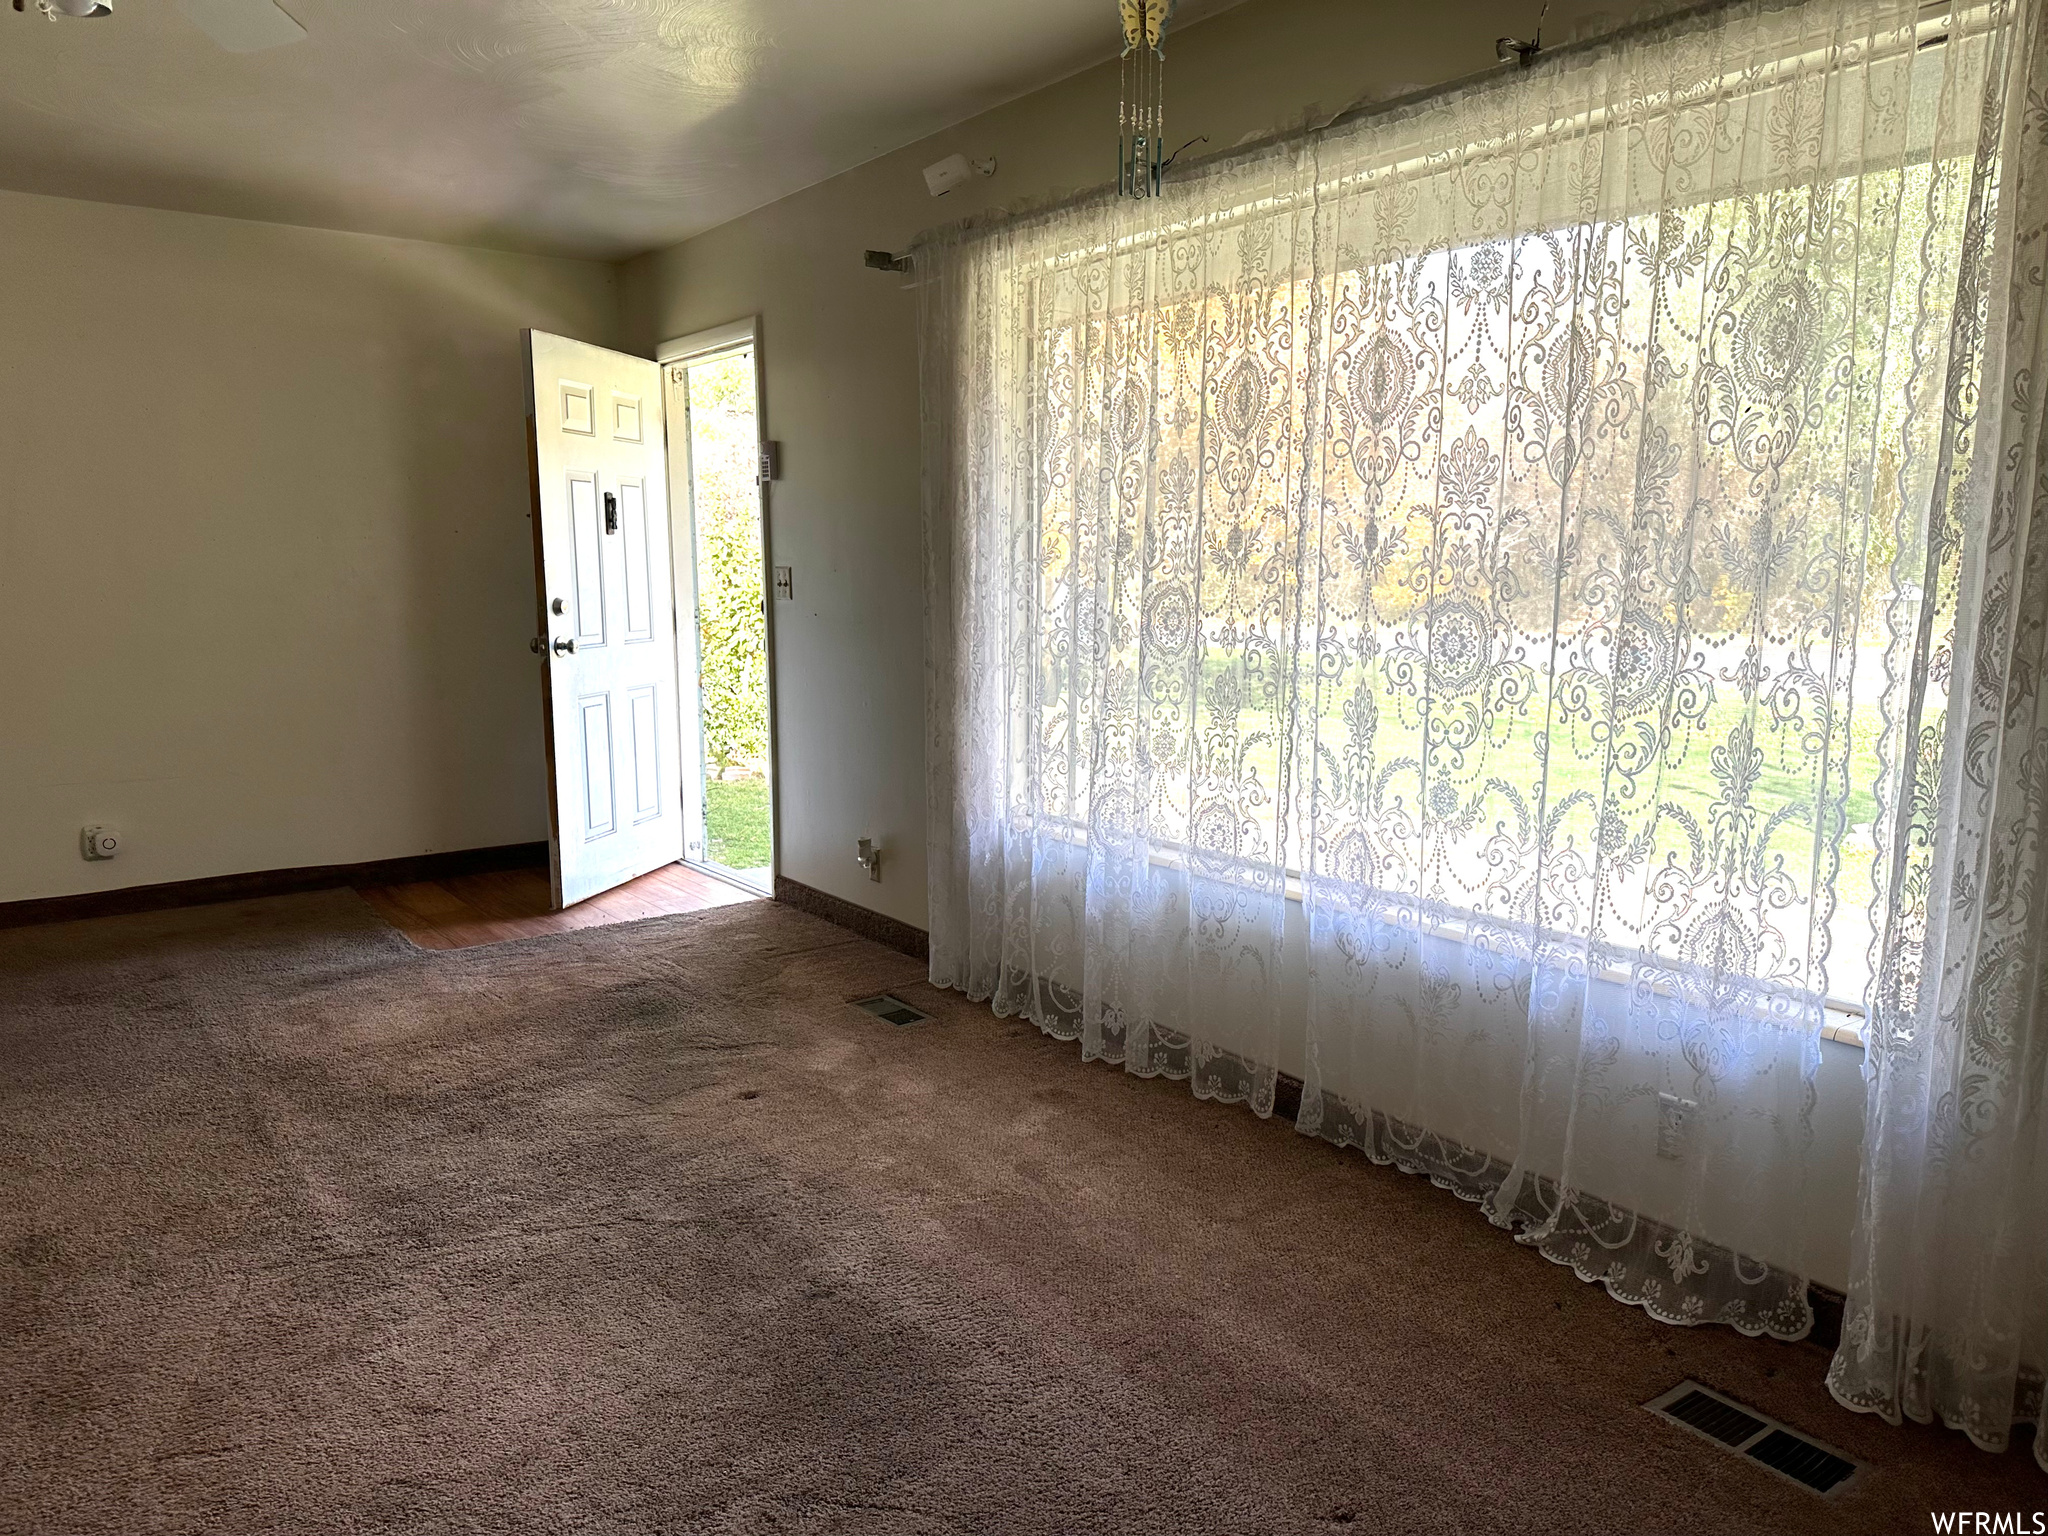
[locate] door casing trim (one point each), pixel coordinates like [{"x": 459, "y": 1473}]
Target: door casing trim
[{"x": 697, "y": 345}]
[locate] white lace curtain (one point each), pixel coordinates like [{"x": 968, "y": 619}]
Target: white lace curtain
[
  {"x": 1948, "y": 1300},
  {"x": 1459, "y": 607}
]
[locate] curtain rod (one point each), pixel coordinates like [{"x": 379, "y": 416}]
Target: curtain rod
[{"x": 1577, "y": 51}]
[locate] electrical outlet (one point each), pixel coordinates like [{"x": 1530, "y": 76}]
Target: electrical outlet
[
  {"x": 1671, "y": 1113},
  {"x": 96, "y": 843}
]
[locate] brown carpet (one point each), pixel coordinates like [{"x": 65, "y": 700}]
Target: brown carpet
[{"x": 644, "y": 1229}]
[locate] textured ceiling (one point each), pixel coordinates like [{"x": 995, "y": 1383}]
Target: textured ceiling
[{"x": 588, "y": 127}]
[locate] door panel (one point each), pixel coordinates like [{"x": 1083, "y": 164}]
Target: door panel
[
  {"x": 625, "y": 417},
  {"x": 633, "y": 529},
  {"x": 586, "y": 560},
  {"x": 598, "y": 812},
  {"x": 575, "y": 405},
  {"x": 607, "y": 613},
  {"x": 646, "y": 756}
]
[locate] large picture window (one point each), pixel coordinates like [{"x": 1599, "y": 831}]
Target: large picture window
[
  {"x": 1582, "y": 621},
  {"x": 1462, "y": 608}
]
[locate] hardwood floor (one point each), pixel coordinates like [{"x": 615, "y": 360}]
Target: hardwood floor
[{"x": 513, "y": 904}]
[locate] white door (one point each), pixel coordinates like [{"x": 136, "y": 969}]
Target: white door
[{"x": 600, "y": 539}]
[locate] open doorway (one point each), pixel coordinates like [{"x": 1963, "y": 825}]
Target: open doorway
[{"x": 719, "y": 516}]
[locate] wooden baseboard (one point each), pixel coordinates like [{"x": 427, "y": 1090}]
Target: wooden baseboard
[
  {"x": 914, "y": 942},
  {"x": 271, "y": 882}
]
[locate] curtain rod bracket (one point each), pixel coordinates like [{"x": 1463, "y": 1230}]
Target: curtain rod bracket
[{"x": 1524, "y": 54}]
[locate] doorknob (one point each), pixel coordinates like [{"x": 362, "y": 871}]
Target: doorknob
[{"x": 565, "y": 647}]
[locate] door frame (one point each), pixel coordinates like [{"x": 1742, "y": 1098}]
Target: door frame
[{"x": 696, "y": 347}]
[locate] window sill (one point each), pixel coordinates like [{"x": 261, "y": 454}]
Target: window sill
[
  {"x": 1841, "y": 1022},
  {"x": 1843, "y": 1026}
]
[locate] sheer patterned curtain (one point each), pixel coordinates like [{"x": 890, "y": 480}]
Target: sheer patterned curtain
[
  {"x": 1948, "y": 1301},
  {"x": 1419, "y": 607}
]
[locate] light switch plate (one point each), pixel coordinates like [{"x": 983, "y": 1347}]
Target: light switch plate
[{"x": 785, "y": 583}]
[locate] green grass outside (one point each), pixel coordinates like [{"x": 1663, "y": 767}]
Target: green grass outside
[
  {"x": 736, "y": 827},
  {"x": 1514, "y": 751},
  {"x": 1683, "y": 776}
]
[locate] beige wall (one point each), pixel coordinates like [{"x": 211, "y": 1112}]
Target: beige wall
[
  {"x": 838, "y": 347},
  {"x": 264, "y": 556}
]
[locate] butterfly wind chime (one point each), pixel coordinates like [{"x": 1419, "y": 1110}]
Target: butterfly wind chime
[{"x": 1141, "y": 109}]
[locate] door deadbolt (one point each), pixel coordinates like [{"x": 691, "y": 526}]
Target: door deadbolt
[{"x": 558, "y": 606}]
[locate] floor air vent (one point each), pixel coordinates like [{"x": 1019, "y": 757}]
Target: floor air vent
[
  {"x": 1748, "y": 1433},
  {"x": 892, "y": 1010}
]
